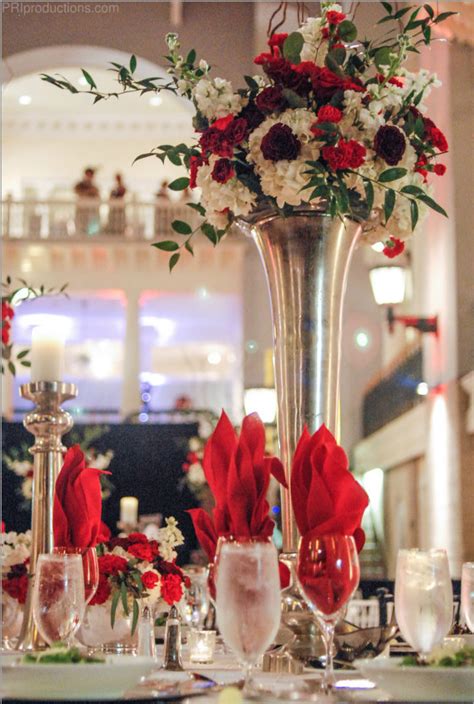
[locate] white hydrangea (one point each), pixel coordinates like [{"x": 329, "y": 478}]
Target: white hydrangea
[
  {"x": 284, "y": 179},
  {"x": 216, "y": 197},
  {"x": 14, "y": 548},
  {"x": 215, "y": 98}
]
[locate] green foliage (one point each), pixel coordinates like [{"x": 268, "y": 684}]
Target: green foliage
[{"x": 292, "y": 47}]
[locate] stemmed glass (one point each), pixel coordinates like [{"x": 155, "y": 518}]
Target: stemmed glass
[
  {"x": 248, "y": 599},
  {"x": 196, "y": 606},
  {"x": 328, "y": 572},
  {"x": 423, "y": 598},
  {"x": 58, "y": 596},
  {"x": 467, "y": 594},
  {"x": 90, "y": 567}
]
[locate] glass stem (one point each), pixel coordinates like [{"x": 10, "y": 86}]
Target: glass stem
[
  {"x": 328, "y": 630},
  {"x": 248, "y": 688}
]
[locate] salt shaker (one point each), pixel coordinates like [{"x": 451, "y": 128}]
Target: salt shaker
[
  {"x": 146, "y": 634},
  {"x": 172, "y": 655}
]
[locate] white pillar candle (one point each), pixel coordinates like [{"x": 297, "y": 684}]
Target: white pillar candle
[
  {"x": 47, "y": 354},
  {"x": 129, "y": 510}
]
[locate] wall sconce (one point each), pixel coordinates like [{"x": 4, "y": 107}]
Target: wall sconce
[
  {"x": 388, "y": 287},
  {"x": 261, "y": 400}
]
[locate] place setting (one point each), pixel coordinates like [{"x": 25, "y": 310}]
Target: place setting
[{"x": 236, "y": 458}]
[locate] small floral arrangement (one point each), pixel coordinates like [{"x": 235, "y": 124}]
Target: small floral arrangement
[
  {"x": 332, "y": 120},
  {"x": 14, "y": 555},
  {"x": 194, "y": 477},
  {"x": 136, "y": 568}
]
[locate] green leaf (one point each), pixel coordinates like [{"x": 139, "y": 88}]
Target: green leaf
[
  {"x": 413, "y": 190},
  {"x": 22, "y": 354},
  {"x": 166, "y": 246},
  {"x": 174, "y": 259},
  {"x": 97, "y": 98},
  {"x": 388, "y": 7},
  {"x": 413, "y": 213},
  {"x": 133, "y": 63},
  {"x": 181, "y": 227},
  {"x": 25, "y": 363},
  {"x": 319, "y": 192},
  {"x": 197, "y": 207},
  {"x": 188, "y": 247},
  {"x": 338, "y": 54},
  {"x": 143, "y": 156},
  {"x": 432, "y": 204},
  {"x": 113, "y": 610},
  {"x": 136, "y": 613},
  {"x": 123, "y": 595},
  {"x": 88, "y": 78},
  {"x": 369, "y": 194},
  {"x": 252, "y": 83},
  {"x": 398, "y": 15},
  {"x": 444, "y": 16},
  {"x": 174, "y": 158},
  {"x": 209, "y": 231},
  {"x": 427, "y": 34},
  {"x": 293, "y": 99},
  {"x": 179, "y": 184},
  {"x": 123, "y": 74},
  {"x": 429, "y": 10},
  {"x": 392, "y": 174},
  {"x": 11, "y": 368},
  {"x": 332, "y": 64},
  {"x": 292, "y": 47},
  {"x": 382, "y": 57},
  {"x": 347, "y": 31},
  {"x": 389, "y": 203},
  {"x": 191, "y": 57}
]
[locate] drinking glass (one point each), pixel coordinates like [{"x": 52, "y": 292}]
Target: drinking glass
[
  {"x": 328, "y": 572},
  {"x": 423, "y": 598},
  {"x": 58, "y": 596},
  {"x": 248, "y": 599},
  {"x": 90, "y": 568},
  {"x": 467, "y": 594},
  {"x": 196, "y": 604}
]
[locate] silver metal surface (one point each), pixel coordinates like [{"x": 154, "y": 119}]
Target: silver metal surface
[
  {"x": 48, "y": 422},
  {"x": 172, "y": 649},
  {"x": 306, "y": 258}
]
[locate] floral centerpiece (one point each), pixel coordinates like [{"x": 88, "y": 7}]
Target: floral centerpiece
[
  {"x": 332, "y": 120},
  {"x": 14, "y": 557},
  {"x": 133, "y": 570}
]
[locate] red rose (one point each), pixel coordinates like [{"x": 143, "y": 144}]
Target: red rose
[
  {"x": 439, "y": 169},
  {"x": 434, "y": 135},
  {"x": 194, "y": 163},
  {"x": 277, "y": 40},
  {"x": 150, "y": 580},
  {"x": 271, "y": 100},
  {"x": 222, "y": 123},
  {"x": 112, "y": 564},
  {"x": 285, "y": 74},
  {"x": 280, "y": 142},
  {"x": 142, "y": 551},
  {"x": 346, "y": 155},
  {"x": 334, "y": 17},
  {"x": 223, "y": 171},
  {"x": 236, "y": 130},
  {"x": 325, "y": 33},
  {"x": 138, "y": 538},
  {"x": 118, "y": 543},
  {"x": 328, "y": 113},
  {"x": 155, "y": 548},
  {"x": 103, "y": 591},
  {"x": 171, "y": 589},
  {"x": 393, "y": 247},
  {"x": 216, "y": 142},
  {"x": 390, "y": 144},
  {"x": 7, "y": 311}
]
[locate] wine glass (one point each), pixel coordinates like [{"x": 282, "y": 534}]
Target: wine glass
[
  {"x": 248, "y": 599},
  {"x": 423, "y": 598},
  {"x": 196, "y": 606},
  {"x": 90, "y": 567},
  {"x": 328, "y": 572},
  {"x": 58, "y": 596},
  {"x": 467, "y": 594}
]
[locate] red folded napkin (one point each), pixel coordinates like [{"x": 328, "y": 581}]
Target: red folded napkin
[
  {"x": 325, "y": 495},
  {"x": 77, "y": 506},
  {"x": 238, "y": 474}
]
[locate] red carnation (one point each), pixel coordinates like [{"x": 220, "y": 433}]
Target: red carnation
[
  {"x": 334, "y": 17},
  {"x": 393, "y": 80},
  {"x": 393, "y": 247},
  {"x": 142, "y": 551},
  {"x": 137, "y": 538},
  {"x": 5, "y": 332},
  {"x": 171, "y": 589},
  {"x": 277, "y": 40},
  {"x": 150, "y": 579},
  {"x": 223, "y": 171},
  {"x": 252, "y": 115},
  {"x": 7, "y": 311},
  {"x": 439, "y": 169},
  {"x": 236, "y": 131},
  {"x": 263, "y": 58},
  {"x": 420, "y": 166},
  {"x": 328, "y": 113},
  {"x": 215, "y": 141},
  {"x": 280, "y": 142},
  {"x": 434, "y": 135},
  {"x": 271, "y": 100},
  {"x": 346, "y": 155},
  {"x": 195, "y": 163},
  {"x": 112, "y": 564},
  {"x": 103, "y": 591},
  {"x": 222, "y": 123}
]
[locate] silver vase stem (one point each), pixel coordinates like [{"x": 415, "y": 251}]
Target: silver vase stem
[
  {"x": 306, "y": 259},
  {"x": 48, "y": 422}
]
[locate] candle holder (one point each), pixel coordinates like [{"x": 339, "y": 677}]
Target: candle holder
[
  {"x": 48, "y": 422},
  {"x": 201, "y": 646},
  {"x": 126, "y": 528}
]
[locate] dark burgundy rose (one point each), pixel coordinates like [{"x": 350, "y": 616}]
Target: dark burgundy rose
[
  {"x": 271, "y": 100},
  {"x": 280, "y": 142},
  {"x": 283, "y": 74},
  {"x": 389, "y": 143},
  {"x": 252, "y": 116},
  {"x": 216, "y": 142},
  {"x": 237, "y": 130},
  {"x": 223, "y": 170}
]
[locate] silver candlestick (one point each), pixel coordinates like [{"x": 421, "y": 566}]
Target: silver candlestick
[{"x": 48, "y": 422}]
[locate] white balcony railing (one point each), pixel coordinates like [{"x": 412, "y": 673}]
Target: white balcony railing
[{"x": 87, "y": 219}]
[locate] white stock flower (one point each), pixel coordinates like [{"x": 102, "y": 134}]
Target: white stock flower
[
  {"x": 196, "y": 474},
  {"x": 215, "y": 98},
  {"x": 20, "y": 467},
  {"x": 216, "y": 197},
  {"x": 314, "y": 47},
  {"x": 284, "y": 179},
  {"x": 169, "y": 538}
]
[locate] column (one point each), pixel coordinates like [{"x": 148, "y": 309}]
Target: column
[{"x": 131, "y": 357}]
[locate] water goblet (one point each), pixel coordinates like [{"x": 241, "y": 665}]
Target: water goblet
[
  {"x": 467, "y": 594},
  {"x": 328, "y": 573},
  {"x": 90, "y": 568},
  {"x": 248, "y": 600},
  {"x": 423, "y": 598},
  {"x": 58, "y": 596}
]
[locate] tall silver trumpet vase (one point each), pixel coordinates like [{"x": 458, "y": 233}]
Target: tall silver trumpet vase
[
  {"x": 306, "y": 258},
  {"x": 48, "y": 422}
]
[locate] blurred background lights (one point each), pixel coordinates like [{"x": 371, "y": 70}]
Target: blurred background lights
[
  {"x": 25, "y": 99},
  {"x": 214, "y": 357},
  {"x": 251, "y": 346},
  {"x": 422, "y": 389},
  {"x": 362, "y": 339},
  {"x": 155, "y": 100}
]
